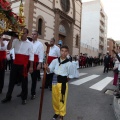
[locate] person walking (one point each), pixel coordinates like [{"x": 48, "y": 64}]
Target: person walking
[
  {"x": 106, "y": 63},
  {"x": 3, "y": 48},
  {"x": 38, "y": 60},
  {"x": 23, "y": 54}
]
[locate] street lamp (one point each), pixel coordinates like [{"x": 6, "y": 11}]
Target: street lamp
[{"x": 91, "y": 42}]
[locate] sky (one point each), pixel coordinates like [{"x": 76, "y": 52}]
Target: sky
[{"x": 112, "y": 9}]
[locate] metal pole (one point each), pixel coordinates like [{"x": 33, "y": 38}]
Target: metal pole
[{"x": 43, "y": 83}]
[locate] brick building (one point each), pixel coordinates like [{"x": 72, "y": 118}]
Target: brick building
[{"x": 112, "y": 45}]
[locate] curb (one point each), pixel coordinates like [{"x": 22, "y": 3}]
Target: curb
[{"x": 116, "y": 107}]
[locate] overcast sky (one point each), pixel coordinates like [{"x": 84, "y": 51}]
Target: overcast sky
[{"x": 112, "y": 9}]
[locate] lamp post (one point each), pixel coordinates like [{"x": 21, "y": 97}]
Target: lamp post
[{"x": 91, "y": 42}]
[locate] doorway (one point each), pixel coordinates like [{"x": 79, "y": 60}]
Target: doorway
[{"x": 62, "y": 38}]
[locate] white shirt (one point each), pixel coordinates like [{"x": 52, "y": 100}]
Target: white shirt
[
  {"x": 63, "y": 70},
  {"x": 23, "y": 47},
  {"x": 38, "y": 50},
  {"x": 54, "y": 51},
  {"x": 116, "y": 65},
  {"x": 4, "y": 47}
]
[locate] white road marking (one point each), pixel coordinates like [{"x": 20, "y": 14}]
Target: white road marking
[
  {"x": 84, "y": 80},
  {"x": 81, "y": 74},
  {"x": 102, "y": 84}
]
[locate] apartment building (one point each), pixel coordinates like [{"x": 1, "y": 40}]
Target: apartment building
[{"x": 93, "y": 29}]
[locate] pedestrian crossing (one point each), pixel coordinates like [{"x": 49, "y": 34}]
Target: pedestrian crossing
[
  {"x": 81, "y": 74},
  {"x": 102, "y": 84},
  {"x": 99, "y": 86},
  {"x": 84, "y": 80}
]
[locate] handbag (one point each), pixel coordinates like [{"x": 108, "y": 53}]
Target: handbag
[{"x": 116, "y": 71}]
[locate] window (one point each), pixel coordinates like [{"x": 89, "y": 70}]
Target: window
[
  {"x": 77, "y": 39},
  {"x": 62, "y": 29},
  {"x": 65, "y": 5},
  {"x": 40, "y": 26}
]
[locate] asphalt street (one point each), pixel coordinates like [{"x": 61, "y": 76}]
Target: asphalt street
[{"x": 84, "y": 102}]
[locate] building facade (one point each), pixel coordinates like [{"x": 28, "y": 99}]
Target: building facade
[
  {"x": 93, "y": 29},
  {"x": 54, "y": 18},
  {"x": 112, "y": 45}
]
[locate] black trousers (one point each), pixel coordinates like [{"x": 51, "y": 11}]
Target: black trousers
[
  {"x": 8, "y": 64},
  {"x": 106, "y": 68},
  {"x": 16, "y": 71},
  {"x": 34, "y": 77},
  {"x": 2, "y": 75},
  {"x": 49, "y": 78},
  {"x": 38, "y": 74}
]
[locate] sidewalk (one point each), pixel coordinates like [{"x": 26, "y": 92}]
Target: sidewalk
[{"x": 116, "y": 107}]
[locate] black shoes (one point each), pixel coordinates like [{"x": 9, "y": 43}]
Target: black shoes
[
  {"x": 32, "y": 97},
  {"x": 24, "y": 102},
  {"x": 55, "y": 117},
  {"x": 6, "y": 100}
]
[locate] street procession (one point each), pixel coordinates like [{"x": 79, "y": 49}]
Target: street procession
[{"x": 57, "y": 61}]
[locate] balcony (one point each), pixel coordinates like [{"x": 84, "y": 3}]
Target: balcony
[
  {"x": 102, "y": 13},
  {"x": 102, "y": 20},
  {"x": 102, "y": 29},
  {"x": 101, "y": 44},
  {"x": 101, "y": 35}
]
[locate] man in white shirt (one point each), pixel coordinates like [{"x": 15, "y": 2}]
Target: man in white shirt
[
  {"x": 23, "y": 54},
  {"x": 38, "y": 60},
  {"x": 3, "y": 48},
  {"x": 53, "y": 54}
]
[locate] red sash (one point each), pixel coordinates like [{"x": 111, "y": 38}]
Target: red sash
[
  {"x": 36, "y": 60},
  {"x": 2, "y": 58},
  {"x": 2, "y": 55},
  {"x": 22, "y": 60},
  {"x": 50, "y": 59}
]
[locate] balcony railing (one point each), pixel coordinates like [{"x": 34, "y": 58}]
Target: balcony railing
[
  {"x": 102, "y": 35},
  {"x": 102, "y": 28},
  {"x": 101, "y": 43},
  {"x": 102, "y": 13},
  {"x": 102, "y": 20}
]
